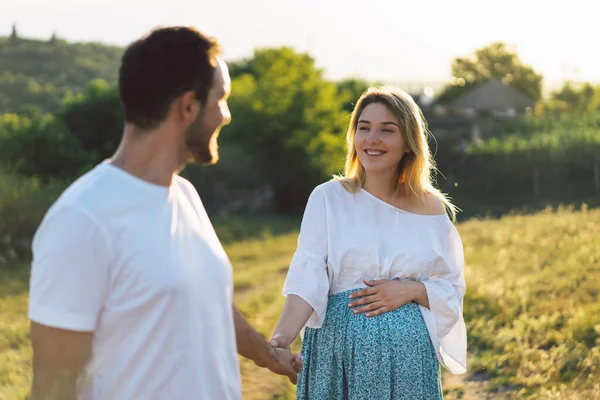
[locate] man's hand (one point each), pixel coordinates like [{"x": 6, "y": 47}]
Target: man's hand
[
  {"x": 281, "y": 346},
  {"x": 253, "y": 345},
  {"x": 282, "y": 362},
  {"x": 281, "y": 341}
]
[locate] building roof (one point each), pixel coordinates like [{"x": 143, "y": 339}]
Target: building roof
[{"x": 493, "y": 95}]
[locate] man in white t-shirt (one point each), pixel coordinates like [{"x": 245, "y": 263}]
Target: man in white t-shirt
[{"x": 131, "y": 292}]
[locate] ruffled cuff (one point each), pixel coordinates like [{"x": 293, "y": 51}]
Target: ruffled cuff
[
  {"x": 307, "y": 278},
  {"x": 446, "y": 326}
]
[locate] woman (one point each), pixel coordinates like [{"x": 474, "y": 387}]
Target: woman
[{"x": 377, "y": 278}]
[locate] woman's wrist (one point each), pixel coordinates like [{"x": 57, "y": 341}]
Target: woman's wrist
[
  {"x": 418, "y": 293},
  {"x": 409, "y": 290},
  {"x": 281, "y": 340}
]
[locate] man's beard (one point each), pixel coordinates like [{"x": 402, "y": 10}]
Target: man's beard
[{"x": 201, "y": 143}]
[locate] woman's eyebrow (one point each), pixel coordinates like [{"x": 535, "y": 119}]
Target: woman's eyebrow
[{"x": 364, "y": 121}]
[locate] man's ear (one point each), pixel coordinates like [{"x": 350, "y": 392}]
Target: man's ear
[{"x": 188, "y": 107}]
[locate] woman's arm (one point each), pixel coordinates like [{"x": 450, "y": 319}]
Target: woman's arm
[
  {"x": 306, "y": 286},
  {"x": 419, "y": 294},
  {"x": 296, "y": 312}
]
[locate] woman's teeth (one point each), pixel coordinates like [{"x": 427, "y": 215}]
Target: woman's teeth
[{"x": 374, "y": 152}]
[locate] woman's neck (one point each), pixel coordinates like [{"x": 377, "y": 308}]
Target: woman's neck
[{"x": 382, "y": 186}]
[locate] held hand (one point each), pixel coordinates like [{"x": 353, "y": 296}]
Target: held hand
[
  {"x": 283, "y": 363},
  {"x": 279, "y": 361},
  {"x": 280, "y": 341},
  {"x": 382, "y": 296}
]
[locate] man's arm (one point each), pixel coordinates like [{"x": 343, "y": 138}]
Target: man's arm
[
  {"x": 252, "y": 345},
  {"x": 59, "y": 359},
  {"x": 68, "y": 286}
]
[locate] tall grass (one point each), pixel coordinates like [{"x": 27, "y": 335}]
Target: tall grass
[
  {"x": 23, "y": 202},
  {"x": 533, "y": 305}
]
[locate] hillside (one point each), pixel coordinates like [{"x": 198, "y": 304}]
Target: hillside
[{"x": 36, "y": 75}]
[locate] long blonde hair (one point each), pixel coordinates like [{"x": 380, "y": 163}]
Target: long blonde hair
[{"x": 416, "y": 169}]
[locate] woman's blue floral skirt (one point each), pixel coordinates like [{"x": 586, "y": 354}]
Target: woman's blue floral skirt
[{"x": 389, "y": 356}]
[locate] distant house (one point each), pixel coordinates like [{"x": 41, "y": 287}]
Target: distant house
[
  {"x": 495, "y": 98},
  {"x": 481, "y": 110}
]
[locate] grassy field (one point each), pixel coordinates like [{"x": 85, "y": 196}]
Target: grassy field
[{"x": 532, "y": 306}]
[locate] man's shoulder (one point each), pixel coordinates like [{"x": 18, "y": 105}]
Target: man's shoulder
[
  {"x": 93, "y": 187},
  {"x": 91, "y": 194},
  {"x": 188, "y": 189},
  {"x": 185, "y": 184},
  {"x": 73, "y": 216}
]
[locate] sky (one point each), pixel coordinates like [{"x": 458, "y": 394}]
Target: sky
[{"x": 392, "y": 41}]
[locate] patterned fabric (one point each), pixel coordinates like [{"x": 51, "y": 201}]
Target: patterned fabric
[{"x": 389, "y": 356}]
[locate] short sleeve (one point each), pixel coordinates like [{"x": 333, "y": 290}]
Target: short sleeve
[
  {"x": 307, "y": 275},
  {"x": 70, "y": 271},
  {"x": 445, "y": 291}
]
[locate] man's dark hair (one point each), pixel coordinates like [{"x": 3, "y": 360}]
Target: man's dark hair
[{"x": 162, "y": 66}]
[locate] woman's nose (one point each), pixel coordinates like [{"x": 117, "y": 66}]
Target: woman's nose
[{"x": 373, "y": 136}]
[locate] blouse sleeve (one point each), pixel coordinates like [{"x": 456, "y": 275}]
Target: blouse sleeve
[
  {"x": 444, "y": 318},
  {"x": 307, "y": 275}
]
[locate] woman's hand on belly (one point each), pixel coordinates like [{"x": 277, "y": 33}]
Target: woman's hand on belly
[{"x": 384, "y": 295}]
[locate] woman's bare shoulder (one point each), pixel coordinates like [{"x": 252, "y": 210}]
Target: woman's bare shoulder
[{"x": 432, "y": 205}]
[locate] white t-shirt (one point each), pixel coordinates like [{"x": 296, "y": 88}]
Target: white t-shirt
[{"x": 141, "y": 266}]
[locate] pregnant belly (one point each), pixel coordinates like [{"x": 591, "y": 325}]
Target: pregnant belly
[{"x": 396, "y": 327}]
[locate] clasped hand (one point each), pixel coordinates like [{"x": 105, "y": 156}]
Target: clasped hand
[{"x": 284, "y": 362}]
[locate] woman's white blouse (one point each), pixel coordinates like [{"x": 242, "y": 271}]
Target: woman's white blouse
[{"x": 345, "y": 238}]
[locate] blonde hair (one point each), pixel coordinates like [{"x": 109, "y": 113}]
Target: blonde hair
[{"x": 416, "y": 169}]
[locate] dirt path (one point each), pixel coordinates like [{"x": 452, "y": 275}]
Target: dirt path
[{"x": 470, "y": 386}]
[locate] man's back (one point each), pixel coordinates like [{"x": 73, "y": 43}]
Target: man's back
[{"x": 140, "y": 265}]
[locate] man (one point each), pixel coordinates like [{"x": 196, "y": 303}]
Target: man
[{"x": 131, "y": 291}]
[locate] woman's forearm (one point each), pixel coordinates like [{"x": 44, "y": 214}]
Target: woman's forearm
[
  {"x": 296, "y": 312},
  {"x": 419, "y": 294}
]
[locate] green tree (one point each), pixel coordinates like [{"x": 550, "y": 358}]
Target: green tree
[
  {"x": 85, "y": 132},
  {"x": 349, "y": 90},
  {"x": 289, "y": 118},
  {"x": 21, "y": 94},
  {"x": 571, "y": 98},
  {"x": 41, "y": 73},
  {"x": 39, "y": 146},
  {"x": 568, "y": 95},
  {"x": 496, "y": 60},
  {"x": 594, "y": 104},
  {"x": 95, "y": 118},
  {"x": 586, "y": 94}
]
